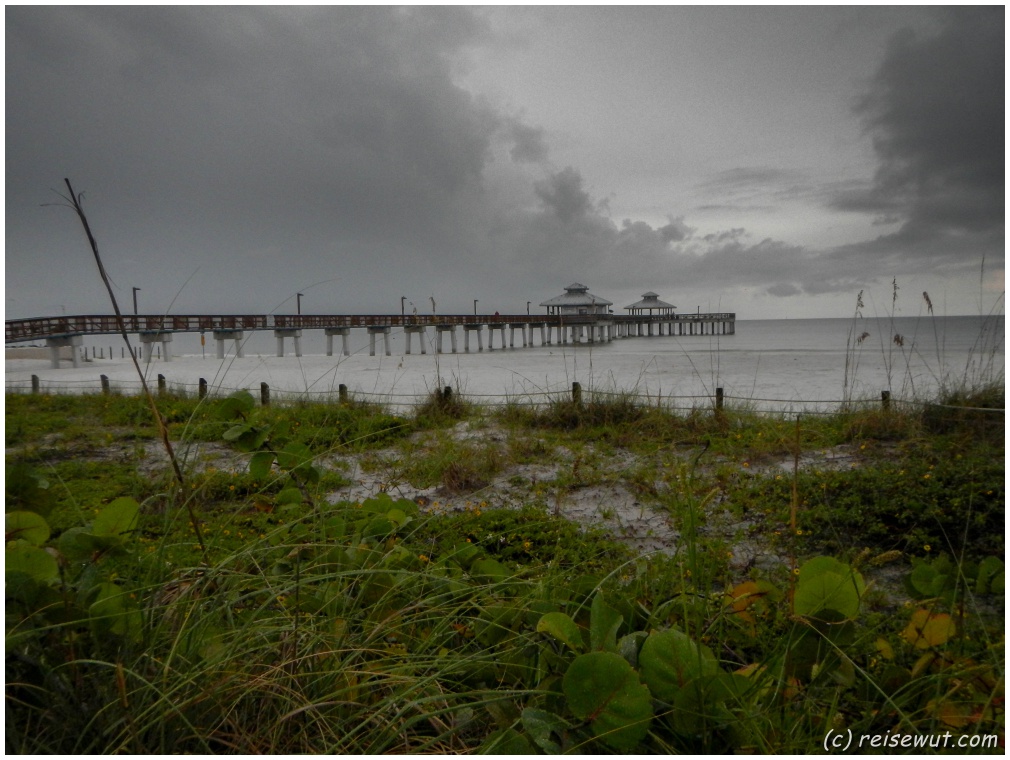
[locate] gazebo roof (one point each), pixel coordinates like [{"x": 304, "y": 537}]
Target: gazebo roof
[
  {"x": 577, "y": 294},
  {"x": 651, "y": 300}
]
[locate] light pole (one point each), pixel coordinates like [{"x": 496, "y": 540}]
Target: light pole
[
  {"x": 135, "y": 301},
  {"x": 299, "y": 299},
  {"x": 527, "y": 308},
  {"x": 475, "y": 307},
  {"x": 403, "y": 309}
]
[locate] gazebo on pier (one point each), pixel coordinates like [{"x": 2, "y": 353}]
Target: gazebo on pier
[
  {"x": 651, "y": 304},
  {"x": 577, "y": 300}
]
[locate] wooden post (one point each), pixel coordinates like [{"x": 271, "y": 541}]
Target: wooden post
[
  {"x": 105, "y": 384},
  {"x": 264, "y": 394},
  {"x": 342, "y": 390},
  {"x": 577, "y": 393},
  {"x": 203, "y": 388},
  {"x": 885, "y": 400},
  {"x": 718, "y": 399},
  {"x": 161, "y": 384},
  {"x": 35, "y": 384}
]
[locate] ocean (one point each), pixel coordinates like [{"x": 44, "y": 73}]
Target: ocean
[{"x": 784, "y": 364}]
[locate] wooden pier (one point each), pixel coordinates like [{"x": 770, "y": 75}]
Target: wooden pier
[{"x": 63, "y": 331}]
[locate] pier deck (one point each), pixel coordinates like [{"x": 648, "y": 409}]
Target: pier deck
[{"x": 64, "y": 331}]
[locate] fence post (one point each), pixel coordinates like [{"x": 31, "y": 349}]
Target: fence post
[
  {"x": 105, "y": 384},
  {"x": 35, "y": 384},
  {"x": 718, "y": 399},
  {"x": 264, "y": 394},
  {"x": 576, "y": 394},
  {"x": 161, "y": 384},
  {"x": 203, "y": 388},
  {"x": 885, "y": 400},
  {"x": 342, "y": 391}
]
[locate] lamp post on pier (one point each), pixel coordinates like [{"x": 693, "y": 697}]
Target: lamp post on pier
[
  {"x": 135, "y": 301},
  {"x": 527, "y": 308},
  {"x": 299, "y": 299},
  {"x": 475, "y": 306},
  {"x": 403, "y": 308}
]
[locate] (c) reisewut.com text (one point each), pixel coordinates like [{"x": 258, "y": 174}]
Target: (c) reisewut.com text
[{"x": 845, "y": 740}]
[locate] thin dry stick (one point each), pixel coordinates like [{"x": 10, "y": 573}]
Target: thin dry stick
[
  {"x": 162, "y": 428},
  {"x": 795, "y": 506}
]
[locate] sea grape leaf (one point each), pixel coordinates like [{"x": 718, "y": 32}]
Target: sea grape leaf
[
  {"x": 27, "y": 526},
  {"x": 540, "y": 724},
  {"x": 116, "y": 518},
  {"x": 927, "y": 629},
  {"x": 288, "y": 496},
  {"x": 378, "y": 527},
  {"x": 699, "y": 707},
  {"x": 253, "y": 438},
  {"x": 113, "y": 611},
  {"x": 260, "y": 464},
  {"x": 629, "y": 645},
  {"x": 490, "y": 570},
  {"x": 560, "y": 626},
  {"x": 26, "y": 489},
  {"x": 604, "y": 622},
  {"x": 34, "y": 562},
  {"x": 506, "y": 742},
  {"x": 989, "y": 569},
  {"x": 603, "y": 689},
  {"x": 236, "y": 406},
  {"x": 669, "y": 659},
  {"x": 825, "y": 584},
  {"x": 296, "y": 457}
]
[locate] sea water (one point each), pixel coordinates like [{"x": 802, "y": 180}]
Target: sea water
[{"x": 802, "y": 364}]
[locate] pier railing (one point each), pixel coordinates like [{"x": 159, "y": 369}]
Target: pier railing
[{"x": 19, "y": 330}]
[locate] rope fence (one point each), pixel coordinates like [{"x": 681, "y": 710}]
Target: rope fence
[{"x": 576, "y": 394}]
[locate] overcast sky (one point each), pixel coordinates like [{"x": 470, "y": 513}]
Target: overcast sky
[{"x": 772, "y": 162}]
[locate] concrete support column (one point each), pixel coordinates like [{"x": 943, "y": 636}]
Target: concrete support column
[
  {"x": 467, "y": 329},
  {"x": 410, "y": 330},
  {"x": 73, "y": 342},
  {"x": 382, "y": 330},
  {"x": 343, "y": 332},
  {"x": 288, "y": 333},
  {"x": 150, "y": 338},
  {"x": 490, "y": 335},
  {"x": 439, "y": 329},
  {"x": 512, "y": 334},
  {"x": 222, "y": 335}
]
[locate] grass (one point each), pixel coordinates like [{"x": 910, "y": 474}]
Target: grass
[{"x": 375, "y": 626}]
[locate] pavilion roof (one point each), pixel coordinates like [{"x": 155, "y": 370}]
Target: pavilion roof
[
  {"x": 651, "y": 300},
  {"x": 577, "y": 294}
]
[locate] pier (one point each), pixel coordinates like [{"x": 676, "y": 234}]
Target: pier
[{"x": 562, "y": 329}]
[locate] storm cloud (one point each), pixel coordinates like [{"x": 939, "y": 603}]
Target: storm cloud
[
  {"x": 231, "y": 157},
  {"x": 935, "y": 111}
]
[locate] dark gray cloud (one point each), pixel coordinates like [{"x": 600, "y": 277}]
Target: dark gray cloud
[
  {"x": 935, "y": 111},
  {"x": 231, "y": 157},
  {"x": 530, "y": 145},
  {"x": 563, "y": 197}
]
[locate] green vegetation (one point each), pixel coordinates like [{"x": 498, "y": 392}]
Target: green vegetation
[{"x": 830, "y": 573}]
